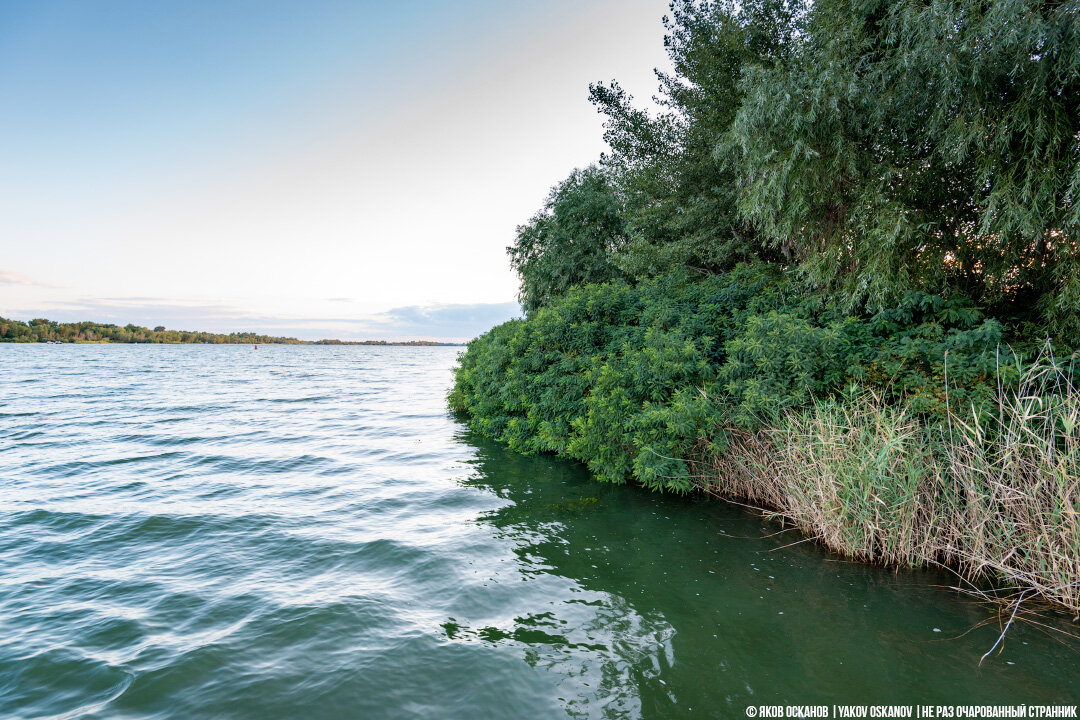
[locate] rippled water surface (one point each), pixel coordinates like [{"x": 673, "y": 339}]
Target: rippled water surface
[{"x": 303, "y": 532}]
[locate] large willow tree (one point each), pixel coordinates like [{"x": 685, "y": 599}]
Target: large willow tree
[
  {"x": 872, "y": 147},
  {"x": 930, "y": 145}
]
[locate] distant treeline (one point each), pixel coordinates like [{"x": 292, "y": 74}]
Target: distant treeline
[{"x": 42, "y": 330}]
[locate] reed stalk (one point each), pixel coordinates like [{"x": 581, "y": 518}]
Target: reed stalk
[{"x": 992, "y": 494}]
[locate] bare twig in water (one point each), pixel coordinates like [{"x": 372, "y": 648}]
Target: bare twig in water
[
  {"x": 795, "y": 543},
  {"x": 1007, "y": 625}
]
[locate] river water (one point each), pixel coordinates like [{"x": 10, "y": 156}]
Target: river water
[{"x": 303, "y": 532}]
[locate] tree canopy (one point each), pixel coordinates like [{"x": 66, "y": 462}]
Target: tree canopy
[
  {"x": 871, "y": 147},
  {"x": 571, "y": 241},
  {"x": 928, "y": 145}
]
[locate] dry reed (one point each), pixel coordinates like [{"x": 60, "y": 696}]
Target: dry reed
[{"x": 993, "y": 495}]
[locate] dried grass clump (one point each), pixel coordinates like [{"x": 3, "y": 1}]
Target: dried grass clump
[
  {"x": 996, "y": 494},
  {"x": 1016, "y": 475}
]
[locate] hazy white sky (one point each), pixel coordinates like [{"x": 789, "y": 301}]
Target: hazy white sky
[{"x": 320, "y": 169}]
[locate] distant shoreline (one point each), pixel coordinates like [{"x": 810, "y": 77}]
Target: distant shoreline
[
  {"x": 368, "y": 343},
  {"x": 44, "y": 331}
]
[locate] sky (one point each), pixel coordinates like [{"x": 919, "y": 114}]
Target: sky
[{"x": 325, "y": 168}]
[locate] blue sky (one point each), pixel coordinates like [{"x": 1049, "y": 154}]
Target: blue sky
[{"x": 337, "y": 169}]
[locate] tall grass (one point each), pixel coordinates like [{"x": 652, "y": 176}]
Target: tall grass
[
  {"x": 1016, "y": 473},
  {"x": 994, "y": 493}
]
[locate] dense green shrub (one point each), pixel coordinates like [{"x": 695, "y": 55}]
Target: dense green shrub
[
  {"x": 783, "y": 359},
  {"x": 634, "y": 380},
  {"x": 938, "y": 353}
]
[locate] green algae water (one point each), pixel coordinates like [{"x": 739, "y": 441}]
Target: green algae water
[{"x": 304, "y": 532}]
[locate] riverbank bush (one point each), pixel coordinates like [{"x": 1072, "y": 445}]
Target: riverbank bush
[
  {"x": 989, "y": 485},
  {"x": 819, "y": 277},
  {"x": 629, "y": 379}
]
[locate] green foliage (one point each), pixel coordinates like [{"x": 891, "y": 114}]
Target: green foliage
[
  {"x": 928, "y": 353},
  {"x": 784, "y": 359},
  {"x": 833, "y": 198},
  {"x": 940, "y": 355},
  {"x": 924, "y": 145},
  {"x": 610, "y": 374},
  {"x": 630, "y": 380},
  {"x": 571, "y": 241},
  {"x": 636, "y": 380},
  {"x": 680, "y": 195}
]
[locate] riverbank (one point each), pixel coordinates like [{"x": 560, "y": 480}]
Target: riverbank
[
  {"x": 996, "y": 501},
  {"x": 926, "y": 442}
]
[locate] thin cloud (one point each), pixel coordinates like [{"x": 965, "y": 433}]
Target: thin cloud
[
  {"x": 461, "y": 320},
  {"x": 14, "y": 278},
  {"x": 443, "y": 321},
  {"x": 151, "y": 312}
]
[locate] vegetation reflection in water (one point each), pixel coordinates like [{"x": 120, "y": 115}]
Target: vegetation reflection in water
[{"x": 710, "y": 608}]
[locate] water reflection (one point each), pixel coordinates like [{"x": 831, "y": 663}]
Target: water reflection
[
  {"x": 687, "y": 603},
  {"x": 606, "y": 654}
]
